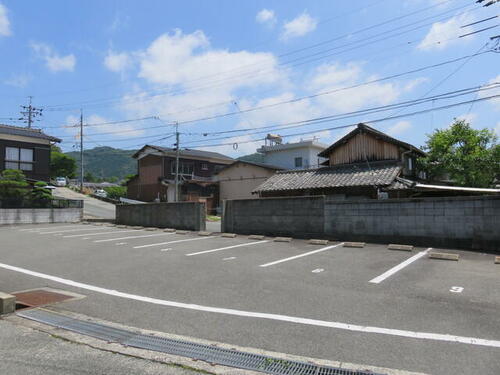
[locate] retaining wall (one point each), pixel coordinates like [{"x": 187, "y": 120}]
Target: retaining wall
[
  {"x": 40, "y": 215},
  {"x": 458, "y": 222},
  {"x": 296, "y": 217},
  {"x": 180, "y": 215}
]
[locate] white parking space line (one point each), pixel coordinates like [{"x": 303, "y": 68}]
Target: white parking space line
[
  {"x": 71, "y": 230},
  {"x": 166, "y": 243},
  {"x": 229, "y": 258},
  {"x": 301, "y": 255},
  {"x": 260, "y": 315},
  {"x": 43, "y": 228},
  {"x": 399, "y": 267},
  {"x": 99, "y": 233},
  {"x": 126, "y": 238},
  {"x": 227, "y": 247}
]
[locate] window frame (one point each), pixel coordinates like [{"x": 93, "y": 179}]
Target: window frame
[
  {"x": 301, "y": 162},
  {"x": 19, "y": 164}
]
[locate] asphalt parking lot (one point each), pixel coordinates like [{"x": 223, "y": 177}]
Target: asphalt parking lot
[{"x": 368, "y": 305}]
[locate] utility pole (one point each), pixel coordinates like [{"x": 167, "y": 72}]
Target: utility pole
[
  {"x": 29, "y": 112},
  {"x": 81, "y": 150},
  {"x": 177, "y": 151}
]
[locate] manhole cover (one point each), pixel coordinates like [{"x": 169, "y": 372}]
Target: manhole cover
[{"x": 42, "y": 297}]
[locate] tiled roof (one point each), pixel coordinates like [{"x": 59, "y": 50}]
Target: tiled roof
[
  {"x": 26, "y": 132},
  {"x": 189, "y": 152},
  {"x": 360, "y": 174}
]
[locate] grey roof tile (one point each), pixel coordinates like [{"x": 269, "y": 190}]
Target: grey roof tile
[
  {"x": 361, "y": 174},
  {"x": 26, "y": 132}
]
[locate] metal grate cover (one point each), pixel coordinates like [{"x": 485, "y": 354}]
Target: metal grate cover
[{"x": 207, "y": 353}]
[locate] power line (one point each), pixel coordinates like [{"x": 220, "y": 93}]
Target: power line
[
  {"x": 368, "y": 121},
  {"x": 252, "y": 73}
]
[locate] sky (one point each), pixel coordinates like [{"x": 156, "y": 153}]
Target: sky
[{"x": 224, "y": 69}]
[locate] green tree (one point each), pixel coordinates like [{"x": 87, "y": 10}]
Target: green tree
[
  {"x": 40, "y": 196},
  {"x": 127, "y": 178},
  {"x": 61, "y": 165},
  {"x": 469, "y": 157},
  {"x": 115, "y": 192},
  {"x": 89, "y": 177},
  {"x": 13, "y": 187}
]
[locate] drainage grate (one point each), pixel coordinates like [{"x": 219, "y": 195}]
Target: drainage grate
[{"x": 207, "y": 353}]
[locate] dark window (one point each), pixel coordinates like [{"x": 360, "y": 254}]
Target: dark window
[
  {"x": 204, "y": 166},
  {"x": 184, "y": 168},
  {"x": 19, "y": 158},
  {"x": 298, "y": 162}
]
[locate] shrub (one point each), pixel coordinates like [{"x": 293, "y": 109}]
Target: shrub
[
  {"x": 40, "y": 196},
  {"x": 115, "y": 192},
  {"x": 13, "y": 187}
]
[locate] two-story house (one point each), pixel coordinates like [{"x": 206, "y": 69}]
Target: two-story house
[
  {"x": 155, "y": 178},
  {"x": 365, "y": 163},
  {"x": 296, "y": 155},
  {"x": 26, "y": 149}
]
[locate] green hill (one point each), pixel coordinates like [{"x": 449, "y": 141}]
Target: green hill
[{"x": 105, "y": 162}]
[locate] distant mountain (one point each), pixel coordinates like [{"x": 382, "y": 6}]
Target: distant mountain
[
  {"x": 256, "y": 158},
  {"x": 107, "y": 162}
]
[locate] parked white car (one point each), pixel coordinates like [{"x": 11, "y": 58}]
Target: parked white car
[
  {"x": 101, "y": 193},
  {"x": 60, "y": 181}
]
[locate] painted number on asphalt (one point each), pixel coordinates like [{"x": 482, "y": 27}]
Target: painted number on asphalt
[{"x": 456, "y": 289}]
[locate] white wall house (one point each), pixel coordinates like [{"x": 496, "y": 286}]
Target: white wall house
[{"x": 298, "y": 155}]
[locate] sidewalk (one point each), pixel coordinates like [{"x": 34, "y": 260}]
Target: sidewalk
[{"x": 29, "y": 352}]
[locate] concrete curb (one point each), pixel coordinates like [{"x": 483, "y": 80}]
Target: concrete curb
[
  {"x": 183, "y": 361},
  {"x": 204, "y": 233},
  {"x": 150, "y": 229},
  {"x": 400, "y": 247},
  {"x": 318, "y": 242},
  {"x": 354, "y": 244},
  {"x": 181, "y": 231},
  {"x": 444, "y": 256},
  {"x": 256, "y": 237},
  {"x": 7, "y": 303},
  {"x": 169, "y": 230},
  {"x": 283, "y": 239},
  {"x": 497, "y": 260},
  {"x": 228, "y": 235}
]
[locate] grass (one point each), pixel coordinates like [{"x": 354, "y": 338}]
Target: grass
[{"x": 213, "y": 218}]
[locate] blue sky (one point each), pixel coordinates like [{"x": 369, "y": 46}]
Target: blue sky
[{"x": 189, "y": 60}]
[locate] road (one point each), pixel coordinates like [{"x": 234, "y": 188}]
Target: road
[
  {"x": 92, "y": 208},
  {"x": 370, "y": 306}
]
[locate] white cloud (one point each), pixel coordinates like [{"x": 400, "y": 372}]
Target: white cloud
[
  {"x": 4, "y": 22},
  {"x": 266, "y": 16},
  {"x": 192, "y": 74},
  {"x": 18, "y": 80},
  {"x": 329, "y": 77},
  {"x": 299, "y": 26},
  {"x": 491, "y": 92},
  {"x": 415, "y": 83},
  {"x": 469, "y": 117},
  {"x": 117, "y": 62},
  {"x": 53, "y": 61},
  {"x": 445, "y": 33},
  {"x": 399, "y": 128}
]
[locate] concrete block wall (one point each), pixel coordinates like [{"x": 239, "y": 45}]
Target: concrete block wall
[
  {"x": 179, "y": 215},
  {"x": 299, "y": 217},
  {"x": 40, "y": 215},
  {"x": 461, "y": 222},
  {"x": 453, "y": 222}
]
